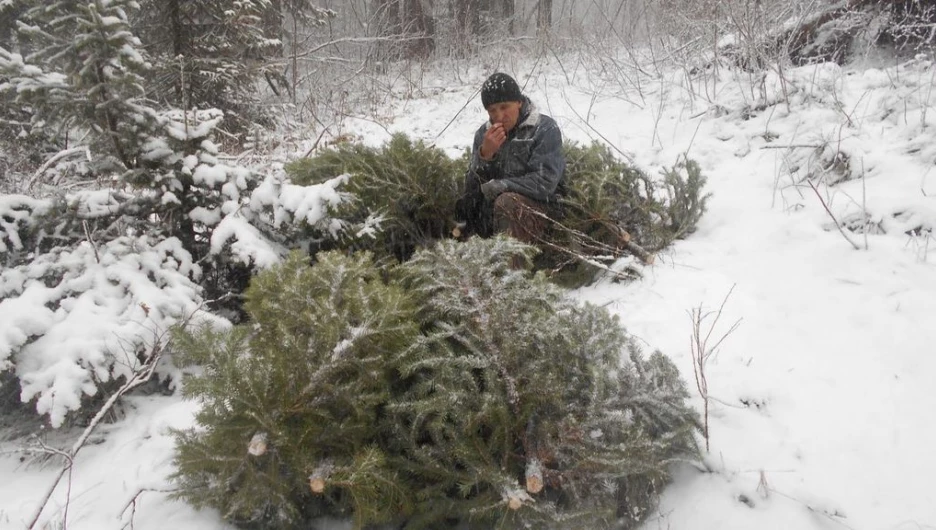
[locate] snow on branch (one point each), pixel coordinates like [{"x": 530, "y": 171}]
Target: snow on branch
[
  {"x": 290, "y": 204},
  {"x": 190, "y": 125},
  {"x": 18, "y": 213},
  {"x": 247, "y": 244},
  {"x": 78, "y": 317}
]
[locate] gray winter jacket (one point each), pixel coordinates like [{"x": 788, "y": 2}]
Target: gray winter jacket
[{"x": 530, "y": 161}]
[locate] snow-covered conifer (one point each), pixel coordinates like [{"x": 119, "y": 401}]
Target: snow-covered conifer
[
  {"x": 82, "y": 72},
  {"x": 76, "y": 320},
  {"x": 214, "y": 53}
]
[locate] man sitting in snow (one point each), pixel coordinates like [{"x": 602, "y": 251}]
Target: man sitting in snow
[{"x": 516, "y": 167}]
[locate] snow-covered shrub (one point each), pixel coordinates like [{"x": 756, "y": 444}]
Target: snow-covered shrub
[
  {"x": 448, "y": 387},
  {"x": 159, "y": 196},
  {"x": 288, "y": 214},
  {"x": 195, "y": 189},
  {"x": 202, "y": 201},
  {"x": 75, "y": 319},
  {"x": 81, "y": 72},
  {"x": 820, "y": 32},
  {"x": 31, "y": 226},
  {"x": 188, "y": 206},
  {"x": 78, "y": 300}
]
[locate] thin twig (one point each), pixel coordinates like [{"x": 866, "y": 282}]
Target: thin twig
[
  {"x": 132, "y": 503},
  {"x": 643, "y": 254},
  {"x": 316, "y": 143},
  {"x": 791, "y": 146},
  {"x": 449, "y": 124},
  {"x": 834, "y": 220},
  {"x": 87, "y": 231},
  {"x": 701, "y": 353},
  {"x": 610, "y": 144},
  {"x": 835, "y": 517},
  {"x": 864, "y": 203},
  {"x": 138, "y": 379}
]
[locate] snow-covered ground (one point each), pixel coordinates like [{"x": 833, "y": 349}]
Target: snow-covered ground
[{"x": 822, "y": 399}]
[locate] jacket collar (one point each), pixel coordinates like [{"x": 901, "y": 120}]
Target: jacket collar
[{"x": 529, "y": 114}]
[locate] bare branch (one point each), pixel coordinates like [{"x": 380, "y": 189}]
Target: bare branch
[
  {"x": 702, "y": 352},
  {"x": 834, "y": 220},
  {"x": 143, "y": 374}
]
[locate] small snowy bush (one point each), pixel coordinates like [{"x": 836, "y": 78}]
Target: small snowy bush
[
  {"x": 80, "y": 299},
  {"x": 77, "y": 318},
  {"x": 79, "y": 302},
  {"x": 19, "y": 220},
  {"x": 164, "y": 221}
]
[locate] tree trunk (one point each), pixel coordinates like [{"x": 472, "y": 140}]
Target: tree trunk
[
  {"x": 509, "y": 11},
  {"x": 410, "y": 22},
  {"x": 467, "y": 23},
  {"x": 419, "y": 23},
  {"x": 295, "y": 59},
  {"x": 543, "y": 17},
  {"x": 177, "y": 32}
]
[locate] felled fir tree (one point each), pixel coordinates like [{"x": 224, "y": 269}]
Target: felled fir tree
[
  {"x": 609, "y": 203},
  {"x": 403, "y": 193},
  {"x": 292, "y": 399},
  {"x": 451, "y": 388},
  {"x": 403, "y": 196},
  {"x": 526, "y": 409}
]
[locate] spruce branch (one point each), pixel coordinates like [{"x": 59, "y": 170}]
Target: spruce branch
[{"x": 65, "y": 153}]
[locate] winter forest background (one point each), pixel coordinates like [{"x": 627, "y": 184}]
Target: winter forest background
[{"x": 195, "y": 195}]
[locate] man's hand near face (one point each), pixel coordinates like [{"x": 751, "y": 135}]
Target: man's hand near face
[{"x": 494, "y": 138}]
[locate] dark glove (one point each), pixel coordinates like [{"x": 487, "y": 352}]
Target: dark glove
[{"x": 492, "y": 188}]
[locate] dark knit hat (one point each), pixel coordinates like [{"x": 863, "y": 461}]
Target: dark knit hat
[{"x": 498, "y": 88}]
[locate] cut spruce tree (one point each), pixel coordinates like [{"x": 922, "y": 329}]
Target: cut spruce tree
[
  {"x": 451, "y": 389},
  {"x": 295, "y": 397},
  {"x": 403, "y": 197}
]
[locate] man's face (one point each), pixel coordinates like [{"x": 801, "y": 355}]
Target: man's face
[{"x": 505, "y": 113}]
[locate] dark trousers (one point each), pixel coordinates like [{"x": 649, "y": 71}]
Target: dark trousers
[
  {"x": 520, "y": 217},
  {"x": 511, "y": 213}
]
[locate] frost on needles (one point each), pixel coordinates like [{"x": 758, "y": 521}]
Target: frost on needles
[{"x": 449, "y": 388}]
